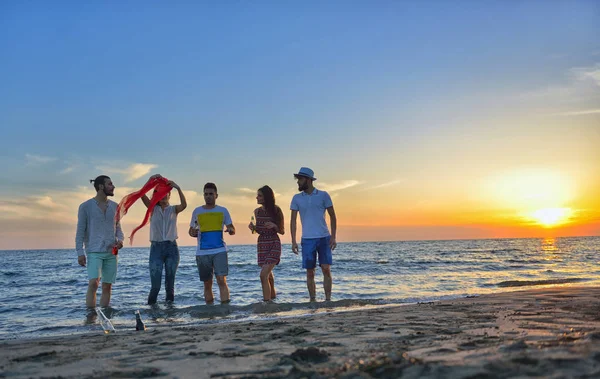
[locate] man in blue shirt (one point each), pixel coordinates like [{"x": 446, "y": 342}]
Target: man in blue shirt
[{"x": 316, "y": 241}]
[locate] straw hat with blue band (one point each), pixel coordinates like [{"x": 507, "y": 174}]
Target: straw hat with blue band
[{"x": 306, "y": 172}]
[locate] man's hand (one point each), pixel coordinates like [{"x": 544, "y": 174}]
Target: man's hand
[
  {"x": 81, "y": 260},
  {"x": 295, "y": 248},
  {"x": 230, "y": 230},
  {"x": 174, "y": 185},
  {"x": 193, "y": 232},
  {"x": 332, "y": 243},
  {"x": 119, "y": 245}
]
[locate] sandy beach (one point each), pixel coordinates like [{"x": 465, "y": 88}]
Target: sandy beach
[{"x": 549, "y": 332}]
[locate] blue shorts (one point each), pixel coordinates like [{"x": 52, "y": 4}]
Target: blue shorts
[
  {"x": 313, "y": 247},
  {"x": 212, "y": 264}
]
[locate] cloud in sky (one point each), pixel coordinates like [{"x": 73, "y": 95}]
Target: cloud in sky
[
  {"x": 344, "y": 184},
  {"x": 45, "y": 201},
  {"x": 34, "y": 160},
  {"x": 59, "y": 206},
  {"x": 383, "y": 185},
  {"x": 252, "y": 192},
  {"x": 578, "y": 80},
  {"x": 588, "y": 73},
  {"x": 576, "y": 95},
  {"x": 132, "y": 172},
  {"x": 70, "y": 167},
  {"x": 579, "y": 113}
]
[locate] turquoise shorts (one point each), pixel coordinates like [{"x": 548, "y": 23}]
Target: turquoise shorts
[{"x": 102, "y": 265}]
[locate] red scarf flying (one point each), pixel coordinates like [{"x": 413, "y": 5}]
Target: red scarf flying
[{"x": 161, "y": 189}]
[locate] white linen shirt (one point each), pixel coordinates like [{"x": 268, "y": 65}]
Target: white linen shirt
[{"x": 163, "y": 224}]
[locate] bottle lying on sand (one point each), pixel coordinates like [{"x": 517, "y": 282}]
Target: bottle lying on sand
[
  {"x": 105, "y": 322},
  {"x": 139, "y": 324}
]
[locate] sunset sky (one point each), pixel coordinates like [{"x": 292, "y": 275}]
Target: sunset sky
[{"x": 424, "y": 119}]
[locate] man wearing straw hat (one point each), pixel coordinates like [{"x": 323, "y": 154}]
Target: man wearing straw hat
[{"x": 316, "y": 241}]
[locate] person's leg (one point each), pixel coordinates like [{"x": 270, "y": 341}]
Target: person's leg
[
  {"x": 155, "y": 264},
  {"x": 171, "y": 264},
  {"x": 327, "y": 281},
  {"x": 265, "y": 275},
  {"x": 272, "y": 286},
  {"x": 109, "y": 276},
  {"x": 309, "y": 262},
  {"x": 94, "y": 271},
  {"x": 106, "y": 292},
  {"x": 209, "y": 298},
  {"x": 221, "y": 266},
  {"x": 223, "y": 289},
  {"x": 310, "y": 284},
  {"x": 325, "y": 261},
  {"x": 205, "y": 271},
  {"x": 90, "y": 297}
]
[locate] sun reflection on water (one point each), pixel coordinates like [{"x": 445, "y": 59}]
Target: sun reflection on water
[{"x": 549, "y": 245}]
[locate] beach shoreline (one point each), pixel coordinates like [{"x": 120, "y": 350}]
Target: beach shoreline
[{"x": 550, "y": 332}]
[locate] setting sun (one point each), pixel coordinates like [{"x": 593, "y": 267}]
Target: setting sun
[{"x": 549, "y": 217}]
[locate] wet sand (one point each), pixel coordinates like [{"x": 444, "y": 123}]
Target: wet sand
[{"x": 544, "y": 332}]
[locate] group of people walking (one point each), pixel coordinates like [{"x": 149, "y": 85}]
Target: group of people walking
[{"x": 99, "y": 237}]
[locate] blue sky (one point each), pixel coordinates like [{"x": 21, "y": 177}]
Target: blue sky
[{"x": 243, "y": 94}]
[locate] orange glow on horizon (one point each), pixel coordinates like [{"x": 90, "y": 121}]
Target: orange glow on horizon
[{"x": 549, "y": 217}]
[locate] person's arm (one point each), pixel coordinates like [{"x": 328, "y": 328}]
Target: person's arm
[
  {"x": 253, "y": 226},
  {"x": 80, "y": 234},
  {"x": 281, "y": 226},
  {"x": 293, "y": 231},
  {"x": 119, "y": 235},
  {"x": 193, "y": 232},
  {"x": 179, "y": 208},
  {"x": 146, "y": 199},
  {"x": 229, "y": 228},
  {"x": 333, "y": 222}
]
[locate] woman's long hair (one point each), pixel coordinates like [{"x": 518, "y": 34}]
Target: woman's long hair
[{"x": 272, "y": 210}]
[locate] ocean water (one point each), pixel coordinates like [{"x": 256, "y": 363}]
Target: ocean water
[{"x": 43, "y": 291}]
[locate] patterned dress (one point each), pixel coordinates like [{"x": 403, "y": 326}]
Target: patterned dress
[{"x": 269, "y": 245}]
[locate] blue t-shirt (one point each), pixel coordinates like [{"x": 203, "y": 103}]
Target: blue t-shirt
[
  {"x": 210, "y": 223},
  {"x": 312, "y": 212}
]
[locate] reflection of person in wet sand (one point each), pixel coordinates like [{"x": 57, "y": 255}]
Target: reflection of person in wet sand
[
  {"x": 269, "y": 222},
  {"x": 207, "y": 225},
  {"x": 99, "y": 237},
  {"x": 316, "y": 240}
]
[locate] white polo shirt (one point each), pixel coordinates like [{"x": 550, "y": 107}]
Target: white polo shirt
[{"x": 312, "y": 212}]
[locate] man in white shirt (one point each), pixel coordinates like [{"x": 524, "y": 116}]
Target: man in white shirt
[
  {"x": 316, "y": 240},
  {"x": 102, "y": 237}
]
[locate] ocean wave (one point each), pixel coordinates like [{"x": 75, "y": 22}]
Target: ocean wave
[
  {"x": 521, "y": 283},
  {"x": 497, "y": 251},
  {"x": 527, "y": 261}
]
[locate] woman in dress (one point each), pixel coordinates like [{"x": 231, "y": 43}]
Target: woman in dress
[{"x": 269, "y": 222}]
